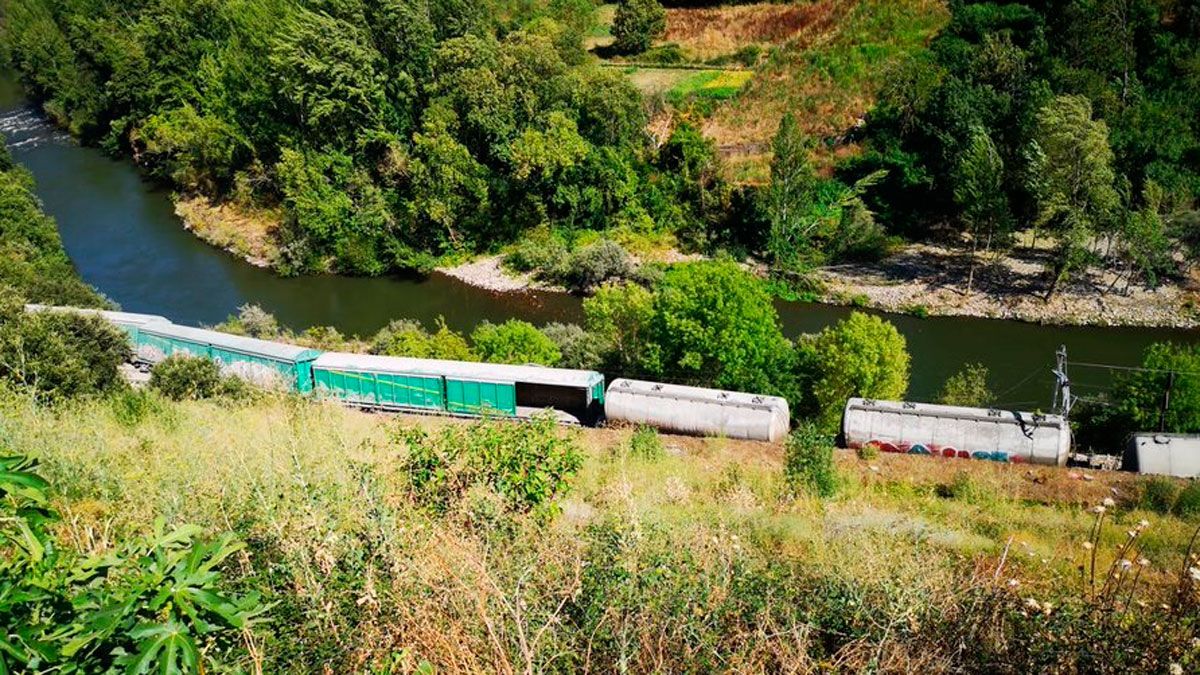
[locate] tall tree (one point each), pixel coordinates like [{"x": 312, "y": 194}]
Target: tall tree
[
  {"x": 792, "y": 180},
  {"x": 1073, "y": 180},
  {"x": 979, "y": 192}
]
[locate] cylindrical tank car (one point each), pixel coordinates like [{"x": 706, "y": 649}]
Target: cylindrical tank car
[
  {"x": 954, "y": 431},
  {"x": 696, "y": 411}
]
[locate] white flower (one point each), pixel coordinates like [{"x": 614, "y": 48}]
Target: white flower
[
  {"x": 1143, "y": 523},
  {"x": 1195, "y": 572},
  {"x": 1087, "y": 545},
  {"x": 1013, "y": 583},
  {"x": 1143, "y": 562},
  {"x": 1098, "y": 509},
  {"x": 1175, "y": 669},
  {"x": 1033, "y": 604},
  {"x": 1108, "y": 501},
  {"x": 1131, "y": 533},
  {"x": 1125, "y": 564}
]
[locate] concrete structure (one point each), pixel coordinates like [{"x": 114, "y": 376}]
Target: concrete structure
[
  {"x": 1164, "y": 454},
  {"x": 695, "y": 411},
  {"x": 953, "y": 431}
]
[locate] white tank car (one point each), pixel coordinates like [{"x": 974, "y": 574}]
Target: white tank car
[
  {"x": 954, "y": 431},
  {"x": 696, "y": 411},
  {"x": 1164, "y": 454}
]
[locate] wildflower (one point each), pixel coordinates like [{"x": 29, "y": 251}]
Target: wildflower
[
  {"x": 1143, "y": 523},
  {"x": 1125, "y": 564},
  {"x": 1142, "y": 562},
  {"x": 1033, "y": 604},
  {"x": 1013, "y": 583},
  {"x": 1098, "y": 509},
  {"x": 1108, "y": 501},
  {"x": 1087, "y": 545},
  {"x": 1175, "y": 669},
  {"x": 1131, "y": 533},
  {"x": 1195, "y": 572}
]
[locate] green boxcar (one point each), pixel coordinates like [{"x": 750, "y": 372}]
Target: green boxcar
[
  {"x": 265, "y": 364},
  {"x": 474, "y": 397},
  {"x": 384, "y": 390}
]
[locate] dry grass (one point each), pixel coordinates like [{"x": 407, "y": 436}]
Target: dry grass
[
  {"x": 363, "y": 578},
  {"x": 827, "y": 76},
  {"x": 249, "y": 233},
  {"x": 712, "y": 31}
]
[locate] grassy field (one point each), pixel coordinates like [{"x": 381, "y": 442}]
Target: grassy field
[{"x": 668, "y": 554}]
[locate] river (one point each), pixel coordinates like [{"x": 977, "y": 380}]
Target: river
[{"x": 125, "y": 239}]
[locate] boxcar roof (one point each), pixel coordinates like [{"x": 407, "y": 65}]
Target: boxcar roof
[
  {"x": 466, "y": 370},
  {"x": 246, "y": 345},
  {"x": 954, "y": 412},
  {"x": 127, "y": 318},
  {"x": 681, "y": 392}
]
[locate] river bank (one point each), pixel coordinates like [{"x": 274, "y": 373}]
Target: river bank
[{"x": 920, "y": 279}]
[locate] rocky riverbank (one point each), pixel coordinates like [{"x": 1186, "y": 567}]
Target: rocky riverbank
[{"x": 931, "y": 280}]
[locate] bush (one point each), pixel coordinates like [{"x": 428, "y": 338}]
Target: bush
[
  {"x": 1159, "y": 494},
  {"x": 514, "y": 341},
  {"x": 645, "y": 443},
  {"x": 258, "y": 322},
  {"x": 808, "y": 461},
  {"x": 187, "y": 378},
  {"x": 1187, "y": 504},
  {"x": 529, "y": 464},
  {"x": 638, "y": 23},
  {"x": 867, "y": 452},
  {"x": 577, "y": 347},
  {"x": 860, "y": 356},
  {"x": 132, "y": 406},
  {"x": 58, "y": 356},
  {"x": 596, "y": 264},
  {"x": 540, "y": 251},
  {"x": 408, "y": 338},
  {"x": 968, "y": 387}
]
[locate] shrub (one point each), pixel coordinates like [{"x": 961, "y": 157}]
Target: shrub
[
  {"x": 1159, "y": 494},
  {"x": 514, "y": 341},
  {"x": 968, "y": 387},
  {"x": 808, "y": 461},
  {"x": 258, "y": 322},
  {"x": 645, "y": 443},
  {"x": 186, "y": 378},
  {"x": 867, "y": 452},
  {"x": 59, "y": 356},
  {"x": 408, "y": 338},
  {"x": 637, "y": 24},
  {"x": 540, "y": 251},
  {"x": 529, "y": 464},
  {"x": 593, "y": 265},
  {"x": 1187, "y": 504},
  {"x": 132, "y": 406},
  {"x": 860, "y": 356},
  {"x": 578, "y": 348}
]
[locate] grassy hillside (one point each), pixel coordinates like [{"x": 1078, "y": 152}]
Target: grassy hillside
[{"x": 664, "y": 554}]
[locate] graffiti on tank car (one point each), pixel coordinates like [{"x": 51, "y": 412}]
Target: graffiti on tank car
[
  {"x": 257, "y": 374},
  {"x": 150, "y": 354},
  {"x": 902, "y": 448}
]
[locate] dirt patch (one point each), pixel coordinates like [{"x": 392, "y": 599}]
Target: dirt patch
[
  {"x": 248, "y": 233},
  {"x": 933, "y": 279}
]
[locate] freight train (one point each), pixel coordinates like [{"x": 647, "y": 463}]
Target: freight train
[{"x": 454, "y": 387}]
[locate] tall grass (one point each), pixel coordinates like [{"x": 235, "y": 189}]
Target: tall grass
[{"x": 695, "y": 558}]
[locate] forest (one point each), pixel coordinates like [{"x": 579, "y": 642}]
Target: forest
[{"x": 394, "y": 133}]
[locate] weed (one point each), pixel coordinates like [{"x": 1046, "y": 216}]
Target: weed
[
  {"x": 867, "y": 452},
  {"x": 646, "y": 444},
  {"x": 1159, "y": 494},
  {"x": 808, "y": 461},
  {"x": 1187, "y": 504}
]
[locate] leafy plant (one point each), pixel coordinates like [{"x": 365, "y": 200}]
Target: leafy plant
[
  {"x": 645, "y": 443},
  {"x": 808, "y": 461},
  {"x": 158, "y": 605},
  {"x": 968, "y": 387},
  {"x": 180, "y": 377},
  {"x": 514, "y": 341},
  {"x": 637, "y": 24}
]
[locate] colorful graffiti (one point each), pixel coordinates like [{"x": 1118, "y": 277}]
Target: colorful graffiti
[{"x": 903, "y": 448}]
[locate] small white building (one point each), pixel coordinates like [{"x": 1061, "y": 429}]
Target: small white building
[{"x": 1164, "y": 454}]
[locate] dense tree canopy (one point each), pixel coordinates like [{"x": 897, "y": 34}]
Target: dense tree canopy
[{"x": 390, "y": 131}]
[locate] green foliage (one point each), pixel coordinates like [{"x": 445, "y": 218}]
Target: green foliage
[
  {"x": 1140, "y": 396},
  {"x": 514, "y": 341},
  {"x": 619, "y": 316},
  {"x": 968, "y": 387},
  {"x": 594, "y": 265},
  {"x": 859, "y": 356},
  {"x": 33, "y": 263},
  {"x": 713, "y": 322},
  {"x": 1159, "y": 494},
  {"x": 808, "y": 461},
  {"x": 1187, "y": 504},
  {"x": 409, "y": 338},
  {"x": 61, "y": 355},
  {"x": 192, "y": 378},
  {"x": 646, "y": 444},
  {"x": 158, "y": 605},
  {"x": 529, "y": 465},
  {"x": 578, "y": 348},
  {"x": 638, "y": 23}
]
